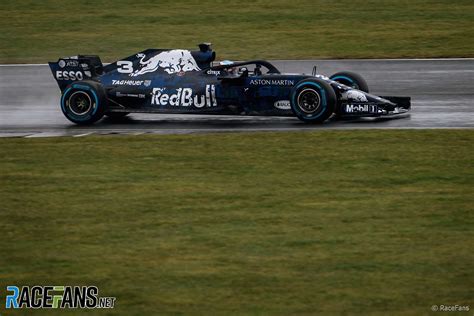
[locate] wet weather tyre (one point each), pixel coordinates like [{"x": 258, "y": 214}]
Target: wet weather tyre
[
  {"x": 313, "y": 100},
  {"x": 84, "y": 102},
  {"x": 351, "y": 79}
]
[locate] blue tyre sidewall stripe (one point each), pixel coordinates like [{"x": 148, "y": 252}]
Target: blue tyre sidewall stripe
[
  {"x": 342, "y": 77},
  {"x": 345, "y": 78},
  {"x": 63, "y": 106},
  {"x": 322, "y": 92}
]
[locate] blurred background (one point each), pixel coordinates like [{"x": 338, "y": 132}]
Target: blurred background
[{"x": 38, "y": 31}]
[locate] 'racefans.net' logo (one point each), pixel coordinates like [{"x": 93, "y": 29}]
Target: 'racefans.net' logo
[{"x": 58, "y": 296}]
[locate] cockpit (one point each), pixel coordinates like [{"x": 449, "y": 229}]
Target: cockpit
[
  {"x": 205, "y": 59},
  {"x": 245, "y": 69}
]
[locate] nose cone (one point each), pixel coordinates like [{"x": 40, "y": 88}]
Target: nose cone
[{"x": 358, "y": 96}]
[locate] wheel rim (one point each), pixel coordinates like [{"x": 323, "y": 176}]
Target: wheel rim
[
  {"x": 80, "y": 103},
  {"x": 309, "y": 101}
]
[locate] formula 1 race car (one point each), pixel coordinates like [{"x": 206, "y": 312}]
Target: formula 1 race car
[{"x": 183, "y": 81}]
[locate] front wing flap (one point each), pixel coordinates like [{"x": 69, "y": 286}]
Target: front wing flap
[{"x": 387, "y": 107}]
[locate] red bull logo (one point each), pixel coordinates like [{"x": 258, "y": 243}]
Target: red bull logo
[
  {"x": 185, "y": 97},
  {"x": 173, "y": 61},
  {"x": 354, "y": 95}
]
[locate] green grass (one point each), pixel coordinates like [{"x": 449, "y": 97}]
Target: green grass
[
  {"x": 329, "y": 222},
  {"x": 40, "y": 31}
]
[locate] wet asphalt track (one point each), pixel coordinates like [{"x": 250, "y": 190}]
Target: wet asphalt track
[{"x": 442, "y": 94}]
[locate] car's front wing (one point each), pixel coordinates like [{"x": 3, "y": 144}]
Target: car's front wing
[{"x": 395, "y": 106}]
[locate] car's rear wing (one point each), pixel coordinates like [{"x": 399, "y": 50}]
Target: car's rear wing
[{"x": 82, "y": 67}]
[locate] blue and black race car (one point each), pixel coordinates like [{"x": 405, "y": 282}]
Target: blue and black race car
[{"x": 183, "y": 81}]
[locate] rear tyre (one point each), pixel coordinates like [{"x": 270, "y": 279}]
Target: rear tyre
[
  {"x": 84, "y": 102},
  {"x": 351, "y": 79},
  {"x": 313, "y": 100}
]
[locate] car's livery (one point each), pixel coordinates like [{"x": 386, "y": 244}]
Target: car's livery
[{"x": 183, "y": 81}]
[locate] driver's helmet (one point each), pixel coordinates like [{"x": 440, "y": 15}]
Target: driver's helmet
[
  {"x": 226, "y": 62},
  {"x": 230, "y": 70}
]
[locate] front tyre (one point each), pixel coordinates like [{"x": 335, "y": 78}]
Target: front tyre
[
  {"x": 351, "y": 79},
  {"x": 313, "y": 100},
  {"x": 84, "y": 102}
]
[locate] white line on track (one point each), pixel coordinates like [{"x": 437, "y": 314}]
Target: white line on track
[{"x": 82, "y": 135}]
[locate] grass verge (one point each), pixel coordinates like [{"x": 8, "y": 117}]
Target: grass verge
[
  {"x": 359, "y": 222},
  {"x": 39, "y": 31}
]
